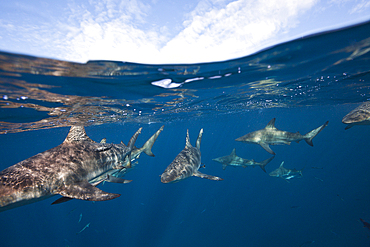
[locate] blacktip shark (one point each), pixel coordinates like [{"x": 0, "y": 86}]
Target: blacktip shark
[
  {"x": 67, "y": 170},
  {"x": 358, "y": 116},
  {"x": 234, "y": 160},
  {"x": 186, "y": 163},
  {"x": 135, "y": 154},
  {"x": 270, "y": 135},
  {"x": 125, "y": 165},
  {"x": 286, "y": 174}
]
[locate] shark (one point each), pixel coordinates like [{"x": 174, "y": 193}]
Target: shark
[
  {"x": 359, "y": 116},
  {"x": 234, "y": 160},
  {"x": 270, "y": 135},
  {"x": 186, "y": 163},
  {"x": 286, "y": 174},
  {"x": 135, "y": 154},
  {"x": 72, "y": 169}
]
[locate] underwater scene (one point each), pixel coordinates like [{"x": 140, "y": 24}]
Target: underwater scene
[{"x": 271, "y": 149}]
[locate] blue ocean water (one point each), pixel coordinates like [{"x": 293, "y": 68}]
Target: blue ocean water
[{"x": 302, "y": 83}]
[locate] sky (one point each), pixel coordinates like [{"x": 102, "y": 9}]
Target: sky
[{"x": 165, "y": 31}]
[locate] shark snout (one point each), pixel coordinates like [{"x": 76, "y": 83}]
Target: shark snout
[{"x": 167, "y": 178}]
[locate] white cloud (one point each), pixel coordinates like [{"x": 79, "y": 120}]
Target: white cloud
[
  {"x": 213, "y": 31},
  {"x": 119, "y": 30},
  {"x": 364, "y": 5},
  {"x": 237, "y": 29}
]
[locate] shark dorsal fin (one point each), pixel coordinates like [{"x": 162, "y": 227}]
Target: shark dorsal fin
[
  {"x": 199, "y": 139},
  {"x": 187, "y": 143},
  {"x": 233, "y": 153},
  {"x": 77, "y": 134},
  {"x": 271, "y": 124},
  {"x": 281, "y": 165}
]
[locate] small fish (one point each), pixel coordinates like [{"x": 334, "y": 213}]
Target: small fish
[
  {"x": 307, "y": 243},
  {"x": 366, "y": 224},
  {"x": 80, "y": 218},
  {"x": 83, "y": 228}
]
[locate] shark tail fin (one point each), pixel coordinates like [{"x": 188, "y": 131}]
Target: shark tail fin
[
  {"x": 131, "y": 145},
  {"x": 310, "y": 135},
  {"x": 265, "y": 162},
  {"x": 147, "y": 147},
  {"x": 132, "y": 141}
]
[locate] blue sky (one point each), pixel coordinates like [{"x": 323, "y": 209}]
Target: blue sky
[{"x": 167, "y": 31}]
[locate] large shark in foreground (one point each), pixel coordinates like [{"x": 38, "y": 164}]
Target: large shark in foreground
[
  {"x": 71, "y": 170},
  {"x": 270, "y": 135},
  {"x": 186, "y": 163},
  {"x": 358, "y": 116},
  {"x": 286, "y": 174},
  {"x": 234, "y": 160}
]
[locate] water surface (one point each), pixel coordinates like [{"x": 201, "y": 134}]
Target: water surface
[{"x": 302, "y": 83}]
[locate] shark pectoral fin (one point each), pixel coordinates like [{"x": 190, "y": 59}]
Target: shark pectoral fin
[
  {"x": 202, "y": 175},
  {"x": 224, "y": 167},
  {"x": 61, "y": 200},
  {"x": 113, "y": 179},
  {"x": 84, "y": 191},
  {"x": 267, "y": 147}
]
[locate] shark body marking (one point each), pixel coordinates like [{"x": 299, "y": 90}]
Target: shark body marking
[
  {"x": 71, "y": 170},
  {"x": 186, "y": 163}
]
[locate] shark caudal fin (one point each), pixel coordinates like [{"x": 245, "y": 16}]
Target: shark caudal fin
[
  {"x": 131, "y": 145},
  {"x": 310, "y": 135},
  {"x": 265, "y": 162},
  {"x": 147, "y": 147}
]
